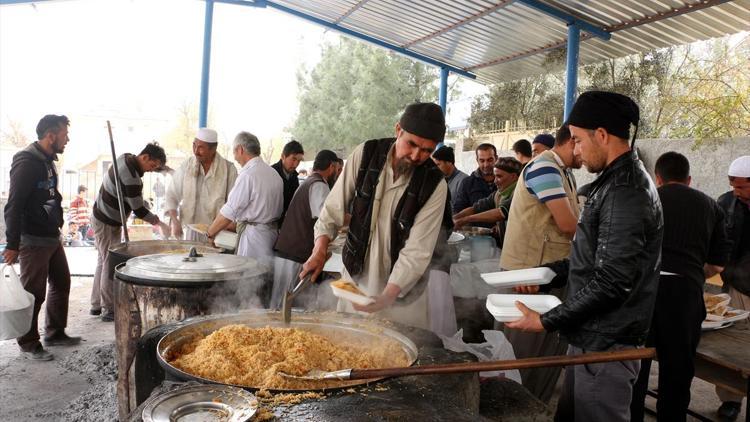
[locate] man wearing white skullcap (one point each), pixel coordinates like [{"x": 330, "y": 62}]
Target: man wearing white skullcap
[
  {"x": 736, "y": 275},
  {"x": 199, "y": 186}
]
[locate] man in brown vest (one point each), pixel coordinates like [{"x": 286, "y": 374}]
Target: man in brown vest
[
  {"x": 541, "y": 224},
  {"x": 398, "y": 199},
  {"x": 295, "y": 242}
]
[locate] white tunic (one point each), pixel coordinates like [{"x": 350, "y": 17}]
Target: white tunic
[
  {"x": 413, "y": 259},
  {"x": 199, "y": 199},
  {"x": 257, "y": 198}
]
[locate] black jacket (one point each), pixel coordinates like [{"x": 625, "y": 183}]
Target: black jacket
[
  {"x": 34, "y": 203},
  {"x": 290, "y": 186},
  {"x": 737, "y": 271},
  {"x": 613, "y": 269},
  {"x": 471, "y": 190}
]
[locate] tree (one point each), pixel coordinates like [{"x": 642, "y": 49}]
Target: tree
[
  {"x": 180, "y": 138},
  {"x": 695, "y": 91},
  {"x": 357, "y": 92},
  {"x": 15, "y": 135}
]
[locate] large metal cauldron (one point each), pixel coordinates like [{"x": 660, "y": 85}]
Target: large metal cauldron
[
  {"x": 341, "y": 328},
  {"x": 152, "y": 290},
  {"x": 122, "y": 252}
]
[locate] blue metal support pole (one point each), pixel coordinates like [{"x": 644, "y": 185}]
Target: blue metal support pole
[
  {"x": 571, "y": 71},
  {"x": 206, "y": 68},
  {"x": 443, "y": 95}
]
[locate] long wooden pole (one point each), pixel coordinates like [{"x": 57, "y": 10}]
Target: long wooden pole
[
  {"x": 120, "y": 193},
  {"x": 502, "y": 365}
]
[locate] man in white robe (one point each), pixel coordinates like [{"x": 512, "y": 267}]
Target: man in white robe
[
  {"x": 420, "y": 129},
  {"x": 199, "y": 186}
]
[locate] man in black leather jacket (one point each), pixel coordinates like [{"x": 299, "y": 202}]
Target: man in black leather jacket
[{"x": 613, "y": 269}]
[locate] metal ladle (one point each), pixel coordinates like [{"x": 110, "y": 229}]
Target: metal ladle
[{"x": 286, "y": 304}]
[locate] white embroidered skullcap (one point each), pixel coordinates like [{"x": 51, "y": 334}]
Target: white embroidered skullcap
[
  {"x": 206, "y": 135},
  {"x": 740, "y": 167}
]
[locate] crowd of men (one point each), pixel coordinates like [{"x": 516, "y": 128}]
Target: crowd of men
[{"x": 622, "y": 248}]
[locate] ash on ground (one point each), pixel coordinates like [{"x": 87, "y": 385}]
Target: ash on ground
[{"x": 98, "y": 403}]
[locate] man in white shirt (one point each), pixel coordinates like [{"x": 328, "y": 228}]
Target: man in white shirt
[
  {"x": 255, "y": 202},
  {"x": 199, "y": 186},
  {"x": 296, "y": 237}
]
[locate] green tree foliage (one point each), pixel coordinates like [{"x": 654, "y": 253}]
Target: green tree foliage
[
  {"x": 697, "y": 91},
  {"x": 536, "y": 100},
  {"x": 357, "y": 92}
]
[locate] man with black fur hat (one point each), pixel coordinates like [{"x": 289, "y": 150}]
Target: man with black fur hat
[
  {"x": 613, "y": 269},
  {"x": 399, "y": 206}
]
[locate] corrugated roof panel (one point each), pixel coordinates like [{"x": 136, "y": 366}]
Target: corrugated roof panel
[{"x": 513, "y": 39}]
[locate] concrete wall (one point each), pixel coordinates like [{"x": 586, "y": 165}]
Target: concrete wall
[{"x": 709, "y": 162}]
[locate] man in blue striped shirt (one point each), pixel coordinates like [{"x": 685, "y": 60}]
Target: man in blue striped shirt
[{"x": 541, "y": 224}]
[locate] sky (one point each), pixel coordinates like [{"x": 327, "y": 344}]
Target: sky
[{"x": 136, "y": 62}]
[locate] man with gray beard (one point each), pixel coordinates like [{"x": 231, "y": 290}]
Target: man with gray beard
[{"x": 399, "y": 204}]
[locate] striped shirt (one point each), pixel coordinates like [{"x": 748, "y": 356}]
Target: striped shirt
[
  {"x": 79, "y": 211},
  {"x": 543, "y": 179},
  {"x": 106, "y": 208}
]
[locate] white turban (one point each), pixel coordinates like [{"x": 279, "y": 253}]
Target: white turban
[
  {"x": 740, "y": 167},
  {"x": 206, "y": 135}
]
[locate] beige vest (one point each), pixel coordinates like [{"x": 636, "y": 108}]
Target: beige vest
[
  {"x": 532, "y": 237},
  {"x": 218, "y": 184}
]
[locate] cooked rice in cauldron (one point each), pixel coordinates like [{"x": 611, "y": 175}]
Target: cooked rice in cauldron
[{"x": 240, "y": 355}]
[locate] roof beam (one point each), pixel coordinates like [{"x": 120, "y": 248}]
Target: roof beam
[
  {"x": 524, "y": 54},
  {"x": 21, "y": 1},
  {"x": 702, "y": 4},
  {"x": 460, "y": 23},
  {"x": 568, "y": 18},
  {"x": 358, "y": 35},
  {"x": 350, "y": 11}
]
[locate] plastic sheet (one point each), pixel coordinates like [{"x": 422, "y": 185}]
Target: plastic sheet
[{"x": 497, "y": 347}]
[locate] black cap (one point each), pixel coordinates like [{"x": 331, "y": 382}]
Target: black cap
[
  {"x": 425, "y": 120},
  {"x": 445, "y": 154},
  {"x": 323, "y": 159},
  {"x": 609, "y": 110},
  {"x": 545, "y": 139}
]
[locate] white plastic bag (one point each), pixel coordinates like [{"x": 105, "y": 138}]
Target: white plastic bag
[
  {"x": 16, "y": 306},
  {"x": 497, "y": 347}
]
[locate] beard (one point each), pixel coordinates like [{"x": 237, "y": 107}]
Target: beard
[{"x": 403, "y": 165}]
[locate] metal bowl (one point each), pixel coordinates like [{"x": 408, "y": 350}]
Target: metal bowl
[
  {"x": 343, "y": 327},
  {"x": 219, "y": 403}
]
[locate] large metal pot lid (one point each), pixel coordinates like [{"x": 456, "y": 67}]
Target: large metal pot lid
[
  {"x": 182, "y": 270},
  {"x": 150, "y": 247},
  {"x": 201, "y": 403}
]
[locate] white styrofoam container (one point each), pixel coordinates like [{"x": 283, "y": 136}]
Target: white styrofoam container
[
  {"x": 503, "y": 307},
  {"x": 525, "y": 277},
  {"x": 352, "y": 297},
  {"x": 226, "y": 239}
]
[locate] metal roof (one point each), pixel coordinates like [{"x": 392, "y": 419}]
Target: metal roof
[{"x": 509, "y": 39}]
